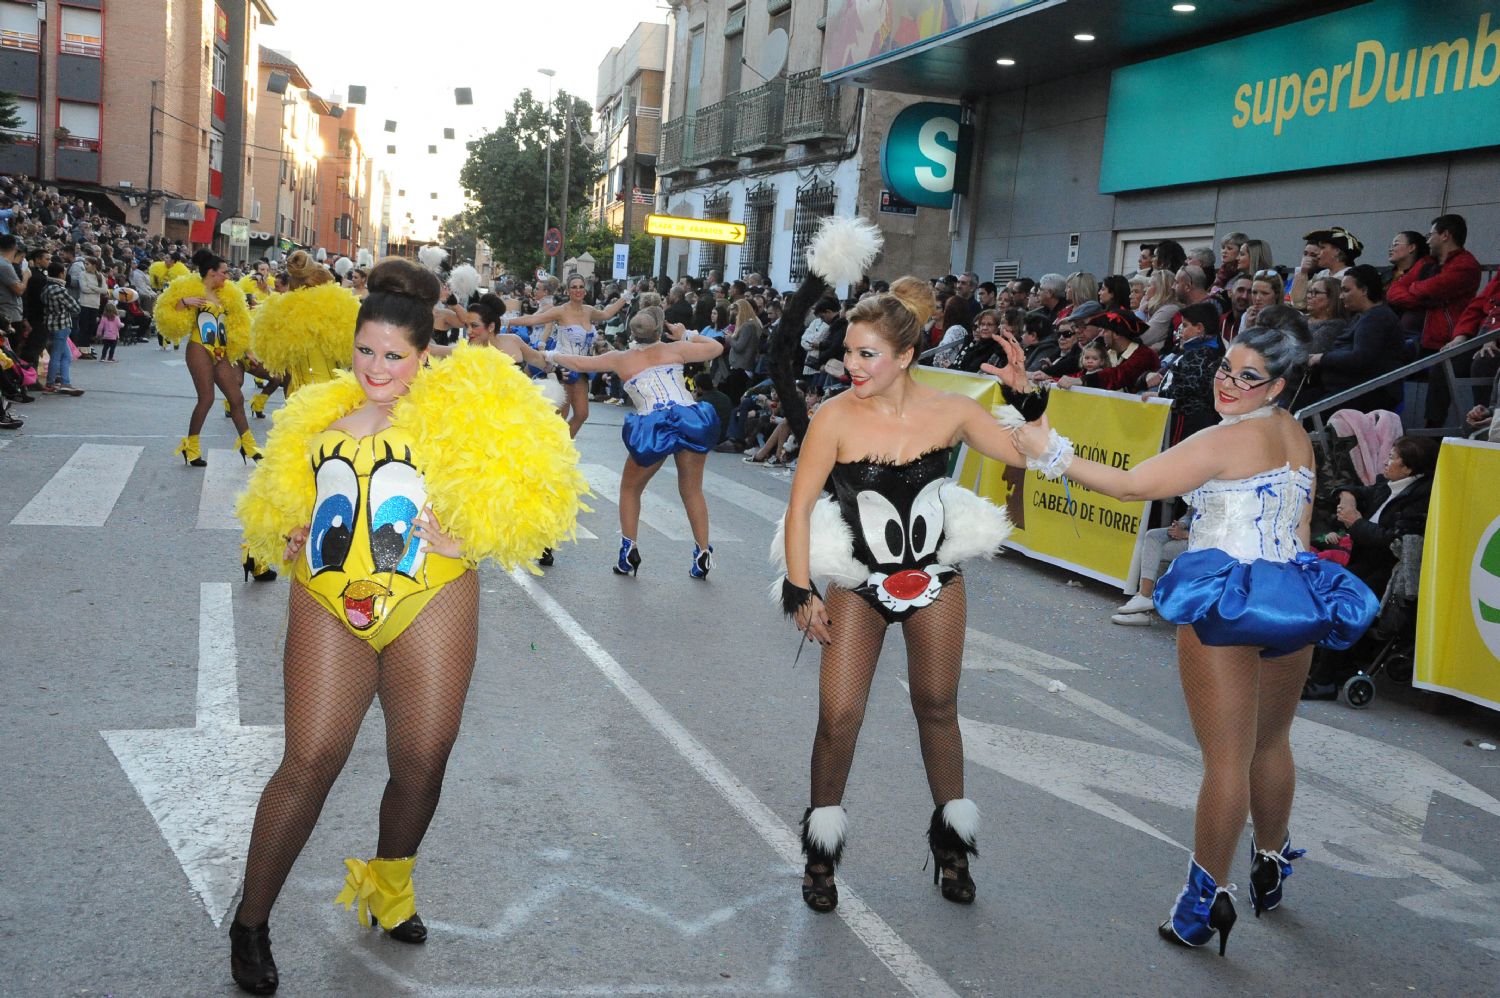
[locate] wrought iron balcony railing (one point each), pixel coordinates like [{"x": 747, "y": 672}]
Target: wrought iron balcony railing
[
  {"x": 709, "y": 135},
  {"x": 815, "y": 111},
  {"x": 673, "y": 134},
  {"x": 758, "y": 120}
]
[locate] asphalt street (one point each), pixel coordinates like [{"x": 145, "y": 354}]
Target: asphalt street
[{"x": 620, "y": 810}]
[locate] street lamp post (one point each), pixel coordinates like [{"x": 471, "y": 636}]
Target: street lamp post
[{"x": 547, "y": 184}]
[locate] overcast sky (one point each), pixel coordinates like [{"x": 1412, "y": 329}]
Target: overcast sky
[{"x": 412, "y": 56}]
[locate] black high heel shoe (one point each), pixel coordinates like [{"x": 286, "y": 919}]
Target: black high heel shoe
[
  {"x": 546, "y": 559},
  {"x": 823, "y": 832},
  {"x": 265, "y": 575},
  {"x": 950, "y": 838},
  {"x": 410, "y": 931},
  {"x": 250, "y": 961},
  {"x": 1202, "y": 909}
]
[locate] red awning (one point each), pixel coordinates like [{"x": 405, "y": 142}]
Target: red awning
[{"x": 203, "y": 232}]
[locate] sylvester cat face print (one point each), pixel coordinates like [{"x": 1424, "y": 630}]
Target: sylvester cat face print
[{"x": 904, "y": 540}]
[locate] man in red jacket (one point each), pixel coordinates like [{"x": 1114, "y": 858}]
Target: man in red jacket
[
  {"x": 1444, "y": 294},
  {"x": 1121, "y": 332}
]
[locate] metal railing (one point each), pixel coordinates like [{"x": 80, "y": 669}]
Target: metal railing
[
  {"x": 672, "y": 134},
  {"x": 710, "y": 134},
  {"x": 815, "y": 110},
  {"x": 758, "y": 119},
  {"x": 1456, "y": 387}
]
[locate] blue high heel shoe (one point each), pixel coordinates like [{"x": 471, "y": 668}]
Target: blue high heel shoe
[
  {"x": 702, "y": 562},
  {"x": 1268, "y": 872},
  {"x": 630, "y": 558},
  {"x": 1202, "y": 909}
]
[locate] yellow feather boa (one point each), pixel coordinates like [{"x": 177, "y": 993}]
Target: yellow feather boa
[
  {"x": 177, "y": 324},
  {"x": 157, "y": 274},
  {"x": 500, "y": 468},
  {"x": 305, "y": 333},
  {"x": 251, "y": 287}
]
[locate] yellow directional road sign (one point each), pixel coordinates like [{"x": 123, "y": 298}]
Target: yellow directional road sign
[{"x": 707, "y": 229}]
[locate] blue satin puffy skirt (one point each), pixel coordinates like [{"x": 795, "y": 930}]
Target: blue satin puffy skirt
[
  {"x": 1279, "y": 607},
  {"x": 658, "y": 434}
]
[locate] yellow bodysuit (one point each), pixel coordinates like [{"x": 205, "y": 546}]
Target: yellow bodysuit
[{"x": 362, "y": 560}]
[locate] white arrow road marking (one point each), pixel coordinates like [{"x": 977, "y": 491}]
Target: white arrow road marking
[
  {"x": 202, "y": 784},
  {"x": 900, "y": 959},
  {"x": 656, "y": 512},
  {"x": 84, "y": 491},
  {"x": 223, "y": 480}
]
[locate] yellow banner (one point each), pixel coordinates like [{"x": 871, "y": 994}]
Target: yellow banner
[
  {"x": 1066, "y": 524},
  {"x": 1458, "y": 602}
]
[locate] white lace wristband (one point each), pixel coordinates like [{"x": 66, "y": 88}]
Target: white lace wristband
[
  {"x": 1055, "y": 460},
  {"x": 551, "y": 356}
]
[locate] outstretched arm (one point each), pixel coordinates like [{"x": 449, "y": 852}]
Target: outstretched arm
[
  {"x": 591, "y": 363},
  {"x": 1174, "y": 472},
  {"x": 539, "y": 319},
  {"x": 605, "y": 314}
]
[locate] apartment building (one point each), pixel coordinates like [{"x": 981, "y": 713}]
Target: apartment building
[
  {"x": 632, "y": 80},
  {"x": 752, "y": 134},
  {"x": 344, "y": 179},
  {"x": 145, "y": 106}
]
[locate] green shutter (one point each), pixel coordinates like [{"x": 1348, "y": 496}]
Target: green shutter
[
  {"x": 736, "y": 22},
  {"x": 774, "y": 7}
]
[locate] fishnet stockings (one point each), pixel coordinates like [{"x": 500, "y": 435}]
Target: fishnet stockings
[
  {"x": 1242, "y": 708},
  {"x": 331, "y": 677},
  {"x": 934, "y": 654}
]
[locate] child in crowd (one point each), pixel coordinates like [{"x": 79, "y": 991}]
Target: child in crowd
[
  {"x": 109, "y": 333},
  {"x": 1093, "y": 360}
]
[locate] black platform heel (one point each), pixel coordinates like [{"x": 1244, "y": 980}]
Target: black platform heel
[
  {"x": 546, "y": 559},
  {"x": 950, "y": 838},
  {"x": 250, "y": 961},
  {"x": 823, "y": 832},
  {"x": 410, "y": 931},
  {"x": 629, "y": 562},
  {"x": 253, "y": 571}
]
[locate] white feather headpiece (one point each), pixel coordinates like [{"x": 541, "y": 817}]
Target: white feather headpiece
[
  {"x": 432, "y": 257},
  {"x": 342, "y": 266},
  {"x": 365, "y": 258},
  {"x": 464, "y": 281},
  {"x": 843, "y": 249}
]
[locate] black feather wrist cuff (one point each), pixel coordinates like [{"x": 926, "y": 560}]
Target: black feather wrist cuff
[
  {"x": 794, "y": 597},
  {"x": 1030, "y": 405}
]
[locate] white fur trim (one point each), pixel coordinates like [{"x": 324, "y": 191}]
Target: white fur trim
[
  {"x": 962, "y": 816},
  {"x": 830, "y": 549},
  {"x": 552, "y": 390},
  {"x": 827, "y": 827},
  {"x": 973, "y": 527},
  {"x": 463, "y": 282},
  {"x": 843, "y": 249},
  {"x": 1008, "y": 416},
  {"x": 432, "y": 257}
]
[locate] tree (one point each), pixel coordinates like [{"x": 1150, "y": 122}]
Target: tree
[
  {"x": 505, "y": 177},
  {"x": 599, "y": 241},
  {"x": 10, "y": 117},
  {"x": 460, "y": 234}
]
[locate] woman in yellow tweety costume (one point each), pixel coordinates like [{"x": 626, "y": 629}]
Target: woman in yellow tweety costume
[
  {"x": 381, "y": 503},
  {"x": 209, "y": 311},
  {"x": 305, "y": 335}
]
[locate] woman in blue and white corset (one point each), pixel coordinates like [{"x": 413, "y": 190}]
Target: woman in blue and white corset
[
  {"x": 1250, "y": 602},
  {"x": 574, "y": 336},
  {"x": 667, "y": 422}
]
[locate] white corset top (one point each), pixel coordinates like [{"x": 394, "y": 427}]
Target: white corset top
[
  {"x": 1252, "y": 518},
  {"x": 576, "y": 340},
  {"x": 658, "y": 388}
]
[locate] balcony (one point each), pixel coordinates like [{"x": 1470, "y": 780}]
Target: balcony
[
  {"x": 672, "y": 135},
  {"x": 709, "y": 135},
  {"x": 815, "y": 111},
  {"x": 758, "y": 120}
]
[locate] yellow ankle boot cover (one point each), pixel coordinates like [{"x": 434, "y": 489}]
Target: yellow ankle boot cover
[
  {"x": 189, "y": 448},
  {"x": 381, "y": 887},
  {"x": 248, "y": 444},
  {"x": 258, "y": 402}
]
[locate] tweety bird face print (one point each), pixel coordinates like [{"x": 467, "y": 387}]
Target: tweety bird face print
[
  {"x": 211, "y": 332},
  {"x": 363, "y": 559}
]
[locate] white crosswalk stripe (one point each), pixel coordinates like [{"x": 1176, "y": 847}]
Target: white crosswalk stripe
[
  {"x": 84, "y": 491},
  {"x": 223, "y": 480},
  {"x": 752, "y": 501},
  {"x": 657, "y": 513}
]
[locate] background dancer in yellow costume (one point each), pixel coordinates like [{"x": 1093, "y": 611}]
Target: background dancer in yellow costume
[
  {"x": 305, "y": 335},
  {"x": 209, "y": 311},
  {"x": 381, "y": 503}
]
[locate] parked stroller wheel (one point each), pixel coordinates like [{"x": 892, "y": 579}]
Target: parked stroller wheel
[
  {"x": 1399, "y": 667},
  {"x": 1359, "y": 691}
]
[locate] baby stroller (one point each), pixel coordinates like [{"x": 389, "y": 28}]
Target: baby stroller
[{"x": 1395, "y": 628}]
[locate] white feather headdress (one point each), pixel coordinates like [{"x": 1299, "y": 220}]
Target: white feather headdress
[
  {"x": 843, "y": 249},
  {"x": 432, "y": 257},
  {"x": 464, "y": 281},
  {"x": 342, "y": 266}
]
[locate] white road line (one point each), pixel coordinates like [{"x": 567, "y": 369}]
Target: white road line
[
  {"x": 4, "y": 444},
  {"x": 84, "y": 491},
  {"x": 753, "y": 501},
  {"x": 899, "y": 958},
  {"x": 218, "y": 689},
  {"x": 175, "y": 362},
  {"x": 665, "y": 517},
  {"x": 103, "y": 436},
  {"x": 223, "y": 480}
]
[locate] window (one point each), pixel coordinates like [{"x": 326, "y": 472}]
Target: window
[
  {"x": 82, "y": 32},
  {"x": 221, "y": 70},
  {"x": 695, "y": 71},
  {"x": 780, "y": 18},
  {"x": 19, "y": 28},
  {"x": 82, "y": 123},
  {"x": 760, "y": 220},
  {"x": 814, "y": 203},
  {"x": 216, "y": 150},
  {"x": 734, "y": 50},
  {"x": 26, "y": 111},
  {"x": 711, "y": 255}
]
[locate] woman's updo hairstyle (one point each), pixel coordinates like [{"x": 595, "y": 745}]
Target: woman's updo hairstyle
[
  {"x": 402, "y": 294},
  {"x": 645, "y": 327},
  {"x": 1282, "y": 340},
  {"x": 302, "y": 271},
  {"x": 488, "y": 314},
  {"x": 900, "y": 316},
  {"x": 206, "y": 261}
]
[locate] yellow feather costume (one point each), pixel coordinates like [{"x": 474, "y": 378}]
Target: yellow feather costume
[
  {"x": 499, "y": 468},
  {"x": 156, "y": 274},
  {"x": 305, "y": 334},
  {"x": 252, "y": 289},
  {"x": 177, "y": 324}
]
